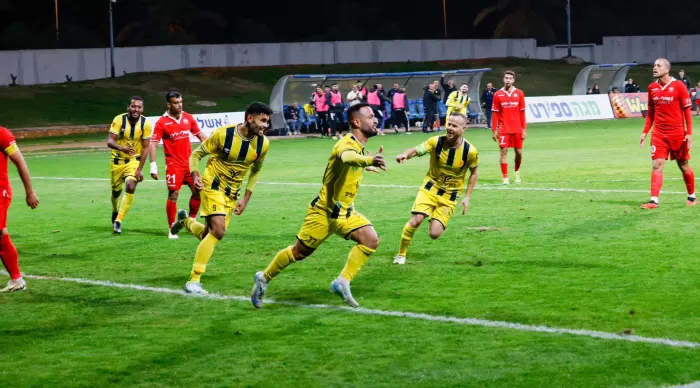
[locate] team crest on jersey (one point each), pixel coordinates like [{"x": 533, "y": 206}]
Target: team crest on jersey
[
  {"x": 515, "y": 94},
  {"x": 186, "y": 121},
  {"x": 227, "y": 150},
  {"x": 670, "y": 89}
]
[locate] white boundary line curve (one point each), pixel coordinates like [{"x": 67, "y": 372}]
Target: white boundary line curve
[{"x": 388, "y": 313}]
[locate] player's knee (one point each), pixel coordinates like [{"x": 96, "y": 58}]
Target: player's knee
[
  {"x": 436, "y": 230},
  {"x": 116, "y": 194},
  {"x": 301, "y": 252},
  {"x": 416, "y": 220},
  {"x": 218, "y": 231},
  {"x": 131, "y": 187},
  {"x": 371, "y": 240},
  {"x": 172, "y": 195}
]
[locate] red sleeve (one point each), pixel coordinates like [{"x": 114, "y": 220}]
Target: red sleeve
[
  {"x": 688, "y": 112},
  {"x": 194, "y": 128},
  {"x": 650, "y": 113},
  {"x": 523, "y": 111},
  {"x": 496, "y": 103},
  {"x": 157, "y": 132},
  {"x": 686, "y": 107},
  {"x": 495, "y": 113},
  {"x": 6, "y": 138}
]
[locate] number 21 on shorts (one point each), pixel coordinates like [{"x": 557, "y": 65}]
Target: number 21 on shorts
[{"x": 171, "y": 178}]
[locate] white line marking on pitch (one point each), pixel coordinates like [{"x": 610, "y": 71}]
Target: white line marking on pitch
[
  {"x": 483, "y": 187},
  {"x": 695, "y": 384},
  {"x": 398, "y": 314}
]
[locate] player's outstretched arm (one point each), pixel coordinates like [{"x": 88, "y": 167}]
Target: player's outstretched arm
[
  {"x": 471, "y": 183},
  {"x": 201, "y": 136},
  {"x": 406, "y": 155},
  {"x": 17, "y": 158}
]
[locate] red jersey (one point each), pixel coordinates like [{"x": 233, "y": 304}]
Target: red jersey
[
  {"x": 667, "y": 105},
  {"x": 176, "y": 138},
  {"x": 8, "y": 147},
  {"x": 509, "y": 111}
]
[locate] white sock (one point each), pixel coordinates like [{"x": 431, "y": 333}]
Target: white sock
[
  {"x": 655, "y": 199},
  {"x": 342, "y": 280},
  {"x": 691, "y": 195}
]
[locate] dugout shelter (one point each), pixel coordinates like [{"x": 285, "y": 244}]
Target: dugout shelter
[
  {"x": 300, "y": 87},
  {"x": 606, "y": 76}
]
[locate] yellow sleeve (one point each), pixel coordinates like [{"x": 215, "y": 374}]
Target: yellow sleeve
[
  {"x": 452, "y": 100},
  {"x": 427, "y": 146},
  {"x": 473, "y": 158},
  {"x": 116, "y": 127},
  {"x": 210, "y": 146},
  {"x": 351, "y": 157},
  {"x": 147, "y": 130},
  {"x": 257, "y": 167},
  {"x": 469, "y": 100}
]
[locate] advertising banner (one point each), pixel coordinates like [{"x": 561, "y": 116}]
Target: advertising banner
[
  {"x": 626, "y": 105},
  {"x": 568, "y": 108},
  {"x": 208, "y": 122}
]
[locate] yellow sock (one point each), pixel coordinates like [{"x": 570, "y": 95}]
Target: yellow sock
[
  {"x": 358, "y": 256},
  {"x": 115, "y": 203},
  {"x": 202, "y": 257},
  {"x": 406, "y": 238},
  {"x": 282, "y": 259},
  {"x": 124, "y": 206},
  {"x": 194, "y": 227}
]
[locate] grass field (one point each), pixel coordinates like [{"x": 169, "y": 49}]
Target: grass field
[
  {"x": 232, "y": 88},
  {"x": 568, "y": 248}
]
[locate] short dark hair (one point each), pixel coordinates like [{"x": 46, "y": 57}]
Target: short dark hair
[
  {"x": 172, "y": 94},
  {"x": 135, "y": 98},
  {"x": 356, "y": 108},
  {"x": 257, "y": 108},
  {"x": 511, "y": 72},
  {"x": 464, "y": 83},
  {"x": 334, "y": 84}
]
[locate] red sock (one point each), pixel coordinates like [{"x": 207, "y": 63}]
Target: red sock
[
  {"x": 657, "y": 180},
  {"x": 10, "y": 258},
  {"x": 689, "y": 178},
  {"x": 171, "y": 210},
  {"x": 504, "y": 169},
  {"x": 517, "y": 165},
  {"x": 194, "y": 206}
]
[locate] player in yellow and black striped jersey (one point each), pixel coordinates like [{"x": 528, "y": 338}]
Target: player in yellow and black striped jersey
[
  {"x": 129, "y": 138},
  {"x": 450, "y": 158},
  {"x": 332, "y": 211},
  {"x": 233, "y": 151}
]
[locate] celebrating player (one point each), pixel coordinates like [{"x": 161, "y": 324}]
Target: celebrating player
[
  {"x": 175, "y": 128},
  {"x": 8, "y": 252},
  {"x": 669, "y": 106},
  {"x": 129, "y": 138},
  {"x": 450, "y": 158},
  {"x": 509, "y": 124},
  {"x": 232, "y": 150},
  {"x": 333, "y": 212},
  {"x": 458, "y": 101}
]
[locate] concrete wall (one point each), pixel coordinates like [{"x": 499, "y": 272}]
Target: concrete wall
[{"x": 51, "y": 66}]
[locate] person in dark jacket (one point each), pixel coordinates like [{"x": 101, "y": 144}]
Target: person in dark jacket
[
  {"x": 430, "y": 106},
  {"x": 487, "y": 102},
  {"x": 631, "y": 87},
  {"x": 596, "y": 89},
  {"x": 447, "y": 88},
  {"x": 291, "y": 116},
  {"x": 391, "y": 92},
  {"x": 684, "y": 78},
  {"x": 337, "y": 106}
]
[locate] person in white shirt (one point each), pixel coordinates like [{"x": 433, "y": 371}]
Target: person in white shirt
[{"x": 354, "y": 96}]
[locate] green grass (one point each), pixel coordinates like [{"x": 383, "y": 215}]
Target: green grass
[
  {"x": 95, "y": 102},
  {"x": 581, "y": 260}
]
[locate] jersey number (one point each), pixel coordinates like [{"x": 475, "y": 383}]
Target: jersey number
[
  {"x": 171, "y": 178},
  {"x": 653, "y": 150},
  {"x": 503, "y": 140}
]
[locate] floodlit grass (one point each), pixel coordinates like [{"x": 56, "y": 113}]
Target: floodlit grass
[{"x": 524, "y": 254}]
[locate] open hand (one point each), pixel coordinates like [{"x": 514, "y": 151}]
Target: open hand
[{"x": 378, "y": 160}]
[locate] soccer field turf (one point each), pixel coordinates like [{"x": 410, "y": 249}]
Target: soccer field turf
[{"x": 568, "y": 248}]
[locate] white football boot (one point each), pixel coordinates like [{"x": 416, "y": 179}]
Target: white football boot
[
  {"x": 15, "y": 285},
  {"x": 341, "y": 287}
]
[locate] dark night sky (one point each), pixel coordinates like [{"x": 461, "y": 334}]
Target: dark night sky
[{"x": 84, "y": 23}]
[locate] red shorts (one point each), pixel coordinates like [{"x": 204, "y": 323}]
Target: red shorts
[
  {"x": 669, "y": 147},
  {"x": 4, "y": 207},
  {"x": 175, "y": 177},
  {"x": 510, "y": 140}
]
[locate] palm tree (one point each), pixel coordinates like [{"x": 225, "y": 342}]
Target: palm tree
[
  {"x": 524, "y": 18},
  {"x": 169, "y": 22}
]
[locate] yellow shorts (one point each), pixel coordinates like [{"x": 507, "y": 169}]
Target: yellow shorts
[
  {"x": 434, "y": 207},
  {"x": 318, "y": 226},
  {"x": 122, "y": 172},
  {"x": 215, "y": 202}
]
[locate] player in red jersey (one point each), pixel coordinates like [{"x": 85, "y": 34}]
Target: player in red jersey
[
  {"x": 509, "y": 124},
  {"x": 8, "y": 252},
  {"x": 669, "y": 107},
  {"x": 175, "y": 128}
]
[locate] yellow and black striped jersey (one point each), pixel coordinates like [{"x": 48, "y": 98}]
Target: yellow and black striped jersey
[
  {"x": 129, "y": 134},
  {"x": 448, "y": 166}
]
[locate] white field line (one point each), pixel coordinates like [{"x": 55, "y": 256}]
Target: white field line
[
  {"x": 695, "y": 384},
  {"x": 481, "y": 187},
  {"x": 396, "y": 314}
]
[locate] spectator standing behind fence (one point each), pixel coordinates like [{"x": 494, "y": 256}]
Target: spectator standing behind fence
[
  {"x": 354, "y": 96},
  {"x": 435, "y": 89},
  {"x": 291, "y": 115},
  {"x": 596, "y": 89},
  {"x": 696, "y": 99},
  {"x": 336, "y": 111},
  {"x": 430, "y": 106},
  {"x": 631, "y": 87},
  {"x": 486, "y": 101},
  {"x": 321, "y": 102},
  {"x": 448, "y": 87},
  {"x": 390, "y": 94},
  {"x": 684, "y": 78},
  {"x": 363, "y": 90},
  {"x": 399, "y": 104},
  {"x": 376, "y": 99}
]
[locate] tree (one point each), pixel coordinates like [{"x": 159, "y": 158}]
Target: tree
[
  {"x": 525, "y": 18},
  {"x": 168, "y": 22}
]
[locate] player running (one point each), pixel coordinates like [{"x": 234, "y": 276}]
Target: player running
[
  {"x": 450, "y": 158},
  {"x": 232, "y": 150},
  {"x": 129, "y": 138},
  {"x": 8, "y": 252},
  {"x": 669, "y": 107},
  {"x": 509, "y": 123},
  {"x": 333, "y": 212},
  {"x": 175, "y": 128}
]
